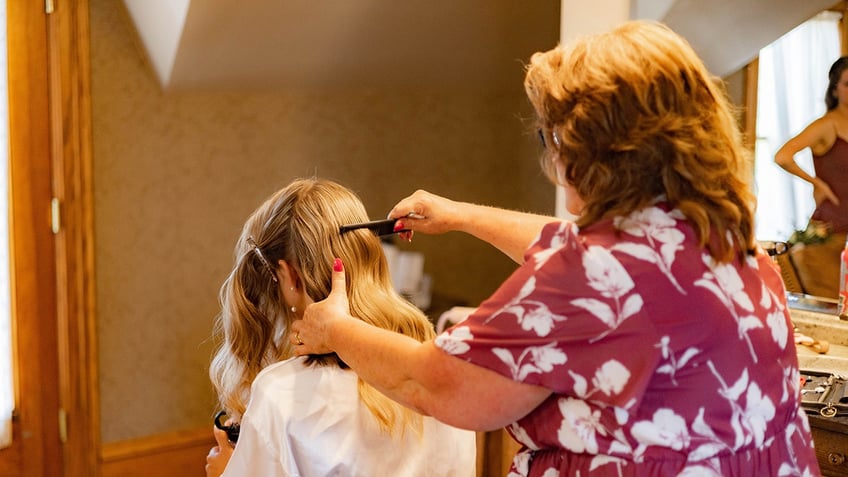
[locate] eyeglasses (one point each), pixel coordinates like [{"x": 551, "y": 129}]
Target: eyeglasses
[{"x": 544, "y": 142}]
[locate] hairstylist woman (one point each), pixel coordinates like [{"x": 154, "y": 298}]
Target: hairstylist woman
[{"x": 650, "y": 337}]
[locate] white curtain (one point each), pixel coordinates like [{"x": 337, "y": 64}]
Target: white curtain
[
  {"x": 7, "y": 394},
  {"x": 792, "y": 83}
]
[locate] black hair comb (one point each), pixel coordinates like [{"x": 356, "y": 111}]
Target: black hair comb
[{"x": 379, "y": 227}]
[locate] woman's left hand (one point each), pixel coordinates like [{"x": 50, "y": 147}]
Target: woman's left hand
[
  {"x": 823, "y": 192},
  {"x": 219, "y": 456},
  {"x": 311, "y": 334}
]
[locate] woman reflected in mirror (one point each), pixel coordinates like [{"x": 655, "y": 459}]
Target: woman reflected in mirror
[{"x": 815, "y": 255}]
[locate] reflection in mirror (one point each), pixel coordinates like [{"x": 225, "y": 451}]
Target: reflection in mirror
[{"x": 792, "y": 80}]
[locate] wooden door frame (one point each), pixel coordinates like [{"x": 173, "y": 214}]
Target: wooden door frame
[
  {"x": 56, "y": 428},
  {"x": 36, "y": 448},
  {"x": 71, "y": 150}
]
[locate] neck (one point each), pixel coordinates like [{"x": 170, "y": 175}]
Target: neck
[{"x": 842, "y": 110}]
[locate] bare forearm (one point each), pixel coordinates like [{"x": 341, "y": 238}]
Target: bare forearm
[
  {"x": 424, "y": 378},
  {"x": 509, "y": 231},
  {"x": 384, "y": 359},
  {"x": 786, "y": 161}
]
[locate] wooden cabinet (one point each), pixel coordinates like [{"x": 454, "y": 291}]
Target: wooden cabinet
[
  {"x": 830, "y": 436},
  {"x": 495, "y": 450}
]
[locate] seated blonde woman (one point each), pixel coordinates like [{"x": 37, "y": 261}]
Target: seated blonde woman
[{"x": 312, "y": 416}]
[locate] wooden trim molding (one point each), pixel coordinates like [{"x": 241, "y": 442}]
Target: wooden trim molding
[
  {"x": 36, "y": 448},
  {"x": 752, "y": 71},
  {"x": 495, "y": 451},
  {"x": 842, "y": 8},
  {"x": 173, "y": 454},
  {"x": 71, "y": 153}
]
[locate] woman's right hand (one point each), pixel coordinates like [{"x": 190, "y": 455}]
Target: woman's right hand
[{"x": 428, "y": 213}]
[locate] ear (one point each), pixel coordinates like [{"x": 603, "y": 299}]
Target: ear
[{"x": 289, "y": 276}]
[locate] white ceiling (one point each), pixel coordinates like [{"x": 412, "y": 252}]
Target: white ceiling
[
  {"x": 728, "y": 34},
  {"x": 353, "y": 43},
  {"x": 297, "y": 44}
]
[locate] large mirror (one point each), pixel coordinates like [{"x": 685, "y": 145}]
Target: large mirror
[{"x": 791, "y": 83}]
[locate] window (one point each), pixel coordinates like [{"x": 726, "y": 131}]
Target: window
[{"x": 792, "y": 83}]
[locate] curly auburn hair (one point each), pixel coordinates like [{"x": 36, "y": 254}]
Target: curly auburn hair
[{"x": 634, "y": 115}]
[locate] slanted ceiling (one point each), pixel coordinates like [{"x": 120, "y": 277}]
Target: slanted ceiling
[{"x": 481, "y": 44}]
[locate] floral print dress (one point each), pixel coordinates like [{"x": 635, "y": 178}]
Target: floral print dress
[{"x": 662, "y": 362}]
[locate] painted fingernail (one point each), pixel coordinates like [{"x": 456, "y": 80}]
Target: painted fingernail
[
  {"x": 337, "y": 265},
  {"x": 398, "y": 226}
]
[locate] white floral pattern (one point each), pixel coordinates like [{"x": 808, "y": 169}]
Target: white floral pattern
[
  {"x": 608, "y": 277},
  {"x": 537, "y": 359},
  {"x": 454, "y": 340},
  {"x": 531, "y": 315},
  {"x": 664, "y": 239},
  {"x": 673, "y": 363},
  {"x": 661, "y": 360}
]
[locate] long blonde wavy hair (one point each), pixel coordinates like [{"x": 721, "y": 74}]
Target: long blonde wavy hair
[
  {"x": 631, "y": 115},
  {"x": 300, "y": 224}
]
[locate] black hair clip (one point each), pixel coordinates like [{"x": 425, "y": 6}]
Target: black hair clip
[
  {"x": 379, "y": 227},
  {"x": 232, "y": 430}
]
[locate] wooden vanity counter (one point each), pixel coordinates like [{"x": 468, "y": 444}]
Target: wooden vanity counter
[{"x": 830, "y": 435}]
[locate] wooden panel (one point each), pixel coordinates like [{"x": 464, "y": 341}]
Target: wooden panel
[
  {"x": 830, "y": 436},
  {"x": 10, "y": 461},
  {"x": 494, "y": 453},
  {"x": 183, "y": 454},
  {"x": 481, "y": 453},
  {"x": 70, "y": 106},
  {"x": 31, "y": 253},
  {"x": 749, "y": 125},
  {"x": 176, "y": 454}
]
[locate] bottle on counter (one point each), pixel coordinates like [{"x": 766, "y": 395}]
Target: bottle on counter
[{"x": 843, "y": 283}]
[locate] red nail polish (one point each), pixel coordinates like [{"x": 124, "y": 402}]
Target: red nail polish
[
  {"x": 337, "y": 265},
  {"x": 398, "y": 225}
]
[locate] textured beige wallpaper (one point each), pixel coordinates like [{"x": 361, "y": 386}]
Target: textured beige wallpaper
[{"x": 176, "y": 174}]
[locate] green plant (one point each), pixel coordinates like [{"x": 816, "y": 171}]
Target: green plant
[{"x": 816, "y": 232}]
